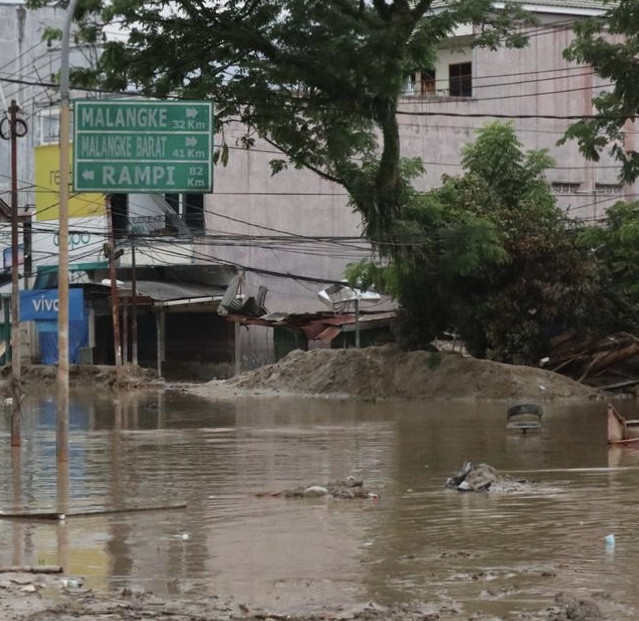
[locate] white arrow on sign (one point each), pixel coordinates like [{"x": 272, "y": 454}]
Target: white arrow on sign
[
  {"x": 88, "y": 175},
  {"x": 191, "y": 113},
  {"x": 191, "y": 142}
]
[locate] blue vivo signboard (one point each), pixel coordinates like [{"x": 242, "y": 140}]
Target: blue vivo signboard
[{"x": 42, "y": 305}]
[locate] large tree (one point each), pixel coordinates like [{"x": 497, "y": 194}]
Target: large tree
[
  {"x": 502, "y": 266},
  {"x": 615, "y": 248},
  {"x": 319, "y": 79},
  {"x": 509, "y": 313},
  {"x": 610, "y": 44}
]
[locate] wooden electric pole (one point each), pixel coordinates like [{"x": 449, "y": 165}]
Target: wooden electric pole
[
  {"x": 134, "y": 309},
  {"x": 18, "y": 128},
  {"x": 115, "y": 311}
]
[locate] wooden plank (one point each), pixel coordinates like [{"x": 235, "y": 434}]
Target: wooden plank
[
  {"x": 55, "y": 515},
  {"x": 623, "y": 384},
  {"x": 31, "y": 569},
  {"x": 624, "y": 442}
]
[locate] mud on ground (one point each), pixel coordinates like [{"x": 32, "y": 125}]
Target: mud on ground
[
  {"x": 82, "y": 375},
  {"x": 32, "y": 597},
  {"x": 372, "y": 373},
  {"x": 389, "y": 373}
]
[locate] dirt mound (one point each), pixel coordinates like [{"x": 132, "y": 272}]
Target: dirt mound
[
  {"x": 81, "y": 375},
  {"x": 390, "y": 373}
]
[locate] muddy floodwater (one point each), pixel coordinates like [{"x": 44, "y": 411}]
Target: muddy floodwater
[{"x": 490, "y": 553}]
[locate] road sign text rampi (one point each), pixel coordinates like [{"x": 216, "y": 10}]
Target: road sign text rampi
[{"x": 142, "y": 146}]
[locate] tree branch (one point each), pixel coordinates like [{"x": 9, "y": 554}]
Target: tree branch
[
  {"x": 383, "y": 9},
  {"x": 318, "y": 171},
  {"x": 420, "y": 8}
]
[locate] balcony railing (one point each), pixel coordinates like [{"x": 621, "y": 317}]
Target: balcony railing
[{"x": 166, "y": 225}]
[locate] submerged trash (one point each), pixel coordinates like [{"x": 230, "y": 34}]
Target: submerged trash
[
  {"x": 346, "y": 489},
  {"x": 71, "y": 583},
  {"x": 315, "y": 491},
  {"x": 480, "y": 478},
  {"x": 473, "y": 478},
  {"x": 610, "y": 541}
]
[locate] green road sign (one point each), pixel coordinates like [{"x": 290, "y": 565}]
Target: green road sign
[{"x": 142, "y": 146}]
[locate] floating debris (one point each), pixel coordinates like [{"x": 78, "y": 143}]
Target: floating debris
[
  {"x": 481, "y": 478},
  {"x": 347, "y": 489}
]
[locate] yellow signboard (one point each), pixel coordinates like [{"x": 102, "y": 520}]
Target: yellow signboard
[{"x": 47, "y": 190}]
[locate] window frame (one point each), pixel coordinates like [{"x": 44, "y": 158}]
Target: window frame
[{"x": 460, "y": 79}]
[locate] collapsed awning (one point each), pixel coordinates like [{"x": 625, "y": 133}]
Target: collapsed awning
[
  {"x": 322, "y": 327},
  {"x": 173, "y": 297}
]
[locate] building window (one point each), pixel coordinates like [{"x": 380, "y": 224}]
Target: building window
[
  {"x": 120, "y": 215},
  {"x": 49, "y": 126},
  {"x": 562, "y": 187},
  {"x": 460, "y": 80},
  {"x": 427, "y": 81},
  {"x": 190, "y": 209},
  {"x": 607, "y": 188}
]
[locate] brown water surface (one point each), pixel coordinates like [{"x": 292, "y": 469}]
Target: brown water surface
[{"x": 487, "y": 552}]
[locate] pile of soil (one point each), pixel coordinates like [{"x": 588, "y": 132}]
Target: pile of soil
[
  {"x": 377, "y": 373},
  {"x": 103, "y": 376}
]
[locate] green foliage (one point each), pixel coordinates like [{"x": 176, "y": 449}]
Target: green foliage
[
  {"x": 614, "y": 247},
  {"x": 509, "y": 313},
  {"x": 610, "y": 44},
  {"x": 433, "y": 243},
  {"x": 488, "y": 253}
]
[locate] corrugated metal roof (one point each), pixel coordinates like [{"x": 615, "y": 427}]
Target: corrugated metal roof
[
  {"x": 169, "y": 291},
  {"x": 327, "y": 335},
  {"x": 327, "y": 328}
]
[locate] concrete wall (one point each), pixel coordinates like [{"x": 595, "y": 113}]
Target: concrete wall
[
  {"x": 536, "y": 82},
  {"x": 282, "y": 210}
]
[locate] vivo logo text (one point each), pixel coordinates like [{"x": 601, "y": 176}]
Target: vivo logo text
[{"x": 45, "y": 304}]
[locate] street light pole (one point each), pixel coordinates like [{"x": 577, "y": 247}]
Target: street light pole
[{"x": 62, "y": 423}]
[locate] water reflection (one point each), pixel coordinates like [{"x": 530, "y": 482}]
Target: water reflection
[{"x": 493, "y": 553}]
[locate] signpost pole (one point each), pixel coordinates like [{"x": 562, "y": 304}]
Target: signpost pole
[{"x": 62, "y": 422}]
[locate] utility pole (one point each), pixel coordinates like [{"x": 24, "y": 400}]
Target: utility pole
[
  {"x": 117, "y": 343},
  {"x": 17, "y": 129},
  {"x": 134, "y": 309},
  {"x": 62, "y": 421}
]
